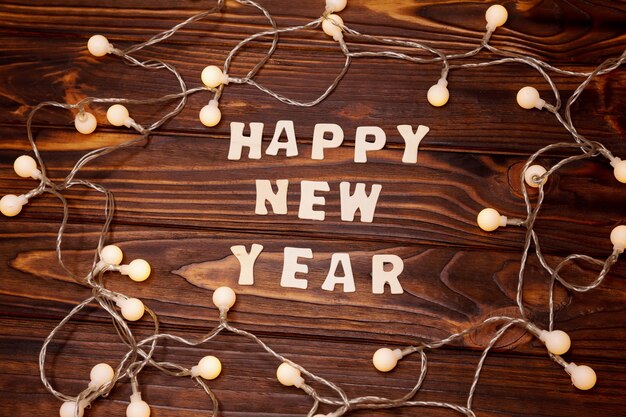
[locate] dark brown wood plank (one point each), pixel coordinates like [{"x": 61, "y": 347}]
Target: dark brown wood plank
[{"x": 435, "y": 201}]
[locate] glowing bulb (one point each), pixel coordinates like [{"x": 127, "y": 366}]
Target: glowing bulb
[
  {"x": 534, "y": 171},
  {"x": 118, "y": 115},
  {"x": 111, "y": 255},
  {"x": 11, "y": 205},
  {"x": 619, "y": 169},
  {"x": 224, "y": 298},
  {"x": 209, "y": 367},
  {"x": 332, "y": 26},
  {"x": 25, "y": 166},
  {"x": 213, "y": 77},
  {"x": 210, "y": 115},
  {"x": 289, "y": 376},
  {"x": 496, "y": 16},
  {"x": 85, "y": 122},
  {"x": 98, "y": 45},
  {"x": 385, "y": 359},
  {"x": 101, "y": 374},
  {"x": 438, "y": 94},
  {"x": 67, "y": 409},
  {"x": 583, "y": 377},
  {"x": 557, "y": 341},
  {"x": 336, "y": 5},
  {"x": 137, "y": 407},
  {"x": 618, "y": 238},
  {"x": 138, "y": 270},
  {"x": 132, "y": 308},
  {"x": 528, "y": 97},
  {"x": 489, "y": 220}
]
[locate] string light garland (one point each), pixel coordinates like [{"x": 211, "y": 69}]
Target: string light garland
[{"x": 108, "y": 258}]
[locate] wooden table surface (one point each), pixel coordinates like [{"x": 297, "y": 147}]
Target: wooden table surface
[{"x": 181, "y": 205}]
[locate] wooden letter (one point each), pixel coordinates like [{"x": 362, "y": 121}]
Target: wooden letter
[
  {"x": 291, "y": 267},
  {"x": 246, "y": 261}
]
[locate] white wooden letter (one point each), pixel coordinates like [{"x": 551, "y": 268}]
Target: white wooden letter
[
  {"x": 362, "y": 146},
  {"x": 380, "y": 277},
  {"x": 291, "y": 267},
  {"x": 290, "y": 146},
  {"x": 412, "y": 141},
  {"x": 238, "y": 140},
  {"x": 308, "y": 199},
  {"x": 246, "y": 261},
  {"x": 264, "y": 193},
  {"x": 347, "y": 280},
  {"x": 320, "y": 142},
  {"x": 366, "y": 204}
]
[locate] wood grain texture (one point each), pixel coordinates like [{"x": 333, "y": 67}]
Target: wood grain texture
[{"x": 181, "y": 204}]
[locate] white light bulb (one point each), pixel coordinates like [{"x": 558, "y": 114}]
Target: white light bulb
[
  {"x": 224, "y": 298},
  {"x": 336, "y": 5},
  {"x": 67, "y": 409},
  {"x": 489, "y": 220},
  {"x": 132, "y": 308},
  {"x": 618, "y": 238},
  {"x": 583, "y": 377},
  {"x": 289, "y": 376},
  {"x": 111, "y": 255},
  {"x": 137, "y": 407},
  {"x": 98, "y": 45},
  {"x": 496, "y": 16},
  {"x": 619, "y": 169},
  {"x": 118, "y": 115},
  {"x": 11, "y": 204},
  {"x": 385, "y": 359},
  {"x": 85, "y": 122},
  {"x": 209, "y": 367},
  {"x": 557, "y": 341},
  {"x": 533, "y": 172},
  {"x": 212, "y": 76},
  {"x": 210, "y": 115},
  {"x": 332, "y": 26},
  {"x": 138, "y": 270},
  {"x": 101, "y": 374},
  {"x": 25, "y": 166},
  {"x": 528, "y": 97},
  {"x": 438, "y": 94}
]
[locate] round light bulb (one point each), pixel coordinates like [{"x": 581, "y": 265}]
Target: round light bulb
[
  {"x": 25, "y": 166},
  {"x": 210, "y": 115},
  {"x": 112, "y": 255},
  {"x": 11, "y": 205},
  {"x": 583, "y": 377},
  {"x": 438, "y": 94},
  {"x": 138, "y": 270},
  {"x": 489, "y": 220},
  {"x": 557, "y": 341},
  {"x": 496, "y": 16},
  {"x": 385, "y": 359},
  {"x": 332, "y": 26},
  {"x": 118, "y": 115},
  {"x": 101, "y": 374},
  {"x": 85, "y": 123},
  {"x": 532, "y": 172},
  {"x": 336, "y": 5},
  {"x": 137, "y": 408},
  {"x": 618, "y": 238},
  {"x": 619, "y": 169},
  {"x": 67, "y": 409},
  {"x": 212, "y": 76},
  {"x": 289, "y": 376},
  {"x": 224, "y": 298},
  {"x": 209, "y": 367},
  {"x": 98, "y": 45},
  {"x": 132, "y": 308},
  {"x": 528, "y": 97}
]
